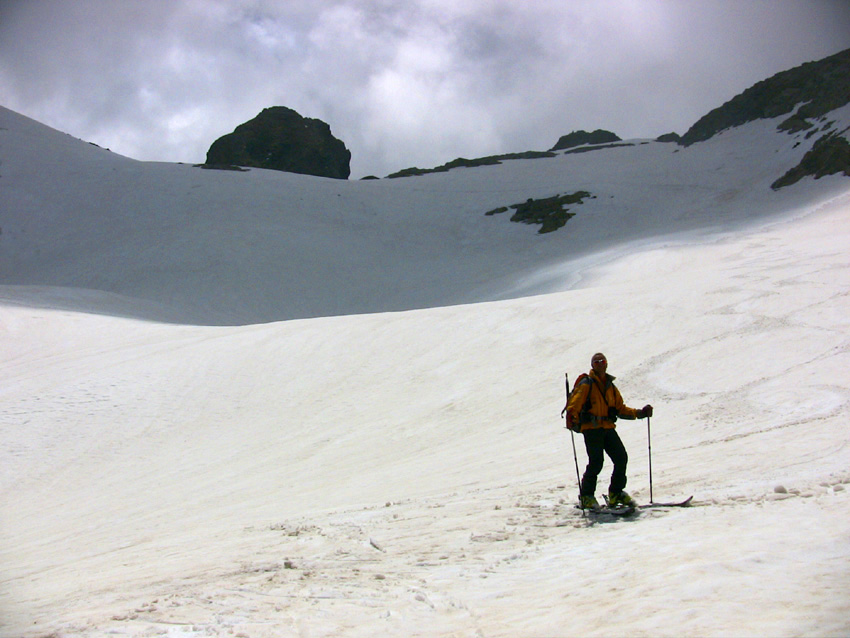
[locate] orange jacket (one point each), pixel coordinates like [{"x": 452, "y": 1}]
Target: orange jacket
[{"x": 603, "y": 395}]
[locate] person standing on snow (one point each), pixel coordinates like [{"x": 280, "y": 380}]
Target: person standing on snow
[{"x": 595, "y": 406}]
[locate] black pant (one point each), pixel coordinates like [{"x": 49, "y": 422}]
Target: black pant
[{"x": 598, "y": 442}]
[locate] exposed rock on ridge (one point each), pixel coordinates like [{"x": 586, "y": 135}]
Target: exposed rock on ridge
[
  {"x": 581, "y": 138},
  {"x": 806, "y": 94},
  {"x": 819, "y": 87},
  {"x": 462, "y": 162},
  {"x": 281, "y": 139},
  {"x": 829, "y": 155}
]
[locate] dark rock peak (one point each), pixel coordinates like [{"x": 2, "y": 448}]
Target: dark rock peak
[
  {"x": 281, "y": 139},
  {"x": 582, "y": 138},
  {"x": 667, "y": 138}
]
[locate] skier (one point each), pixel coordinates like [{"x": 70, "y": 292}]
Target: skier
[{"x": 595, "y": 405}]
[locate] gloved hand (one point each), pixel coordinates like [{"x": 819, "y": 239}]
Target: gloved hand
[{"x": 645, "y": 411}]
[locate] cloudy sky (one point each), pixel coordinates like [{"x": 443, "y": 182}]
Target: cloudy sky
[{"x": 401, "y": 82}]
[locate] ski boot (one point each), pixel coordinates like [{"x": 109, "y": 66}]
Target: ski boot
[
  {"x": 588, "y": 502},
  {"x": 621, "y": 499}
]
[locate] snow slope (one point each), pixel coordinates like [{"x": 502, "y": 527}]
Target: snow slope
[
  {"x": 351, "y": 447},
  {"x": 219, "y": 247}
]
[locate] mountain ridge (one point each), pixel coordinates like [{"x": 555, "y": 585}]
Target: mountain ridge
[{"x": 807, "y": 92}]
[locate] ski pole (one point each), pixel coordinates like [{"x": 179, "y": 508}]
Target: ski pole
[
  {"x": 649, "y": 444},
  {"x": 575, "y": 458},
  {"x": 572, "y": 438}
]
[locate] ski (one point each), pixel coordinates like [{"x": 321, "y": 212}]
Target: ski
[
  {"x": 607, "y": 510},
  {"x": 685, "y": 503},
  {"x": 613, "y": 510}
]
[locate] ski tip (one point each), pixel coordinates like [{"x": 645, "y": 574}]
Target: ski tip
[{"x": 685, "y": 503}]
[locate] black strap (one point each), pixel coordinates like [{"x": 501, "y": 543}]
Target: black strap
[
  {"x": 609, "y": 384},
  {"x": 603, "y": 391}
]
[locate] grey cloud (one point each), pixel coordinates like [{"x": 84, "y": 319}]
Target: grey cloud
[{"x": 401, "y": 82}]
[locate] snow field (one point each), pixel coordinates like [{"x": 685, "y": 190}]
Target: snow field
[{"x": 406, "y": 473}]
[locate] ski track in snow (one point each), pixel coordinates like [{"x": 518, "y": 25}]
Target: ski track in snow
[
  {"x": 495, "y": 547},
  {"x": 491, "y": 563}
]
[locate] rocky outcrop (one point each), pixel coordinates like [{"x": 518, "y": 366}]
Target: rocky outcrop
[
  {"x": 829, "y": 155},
  {"x": 280, "y": 139},
  {"x": 582, "y": 138},
  {"x": 551, "y": 213},
  {"x": 462, "y": 162},
  {"x": 668, "y": 138}
]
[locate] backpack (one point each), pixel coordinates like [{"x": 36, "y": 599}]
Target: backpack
[{"x": 583, "y": 416}]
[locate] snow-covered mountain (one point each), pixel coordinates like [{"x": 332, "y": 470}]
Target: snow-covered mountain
[
  {"x": 263, "y": 404},
  {"x": 219, "y": 247}
]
